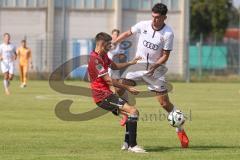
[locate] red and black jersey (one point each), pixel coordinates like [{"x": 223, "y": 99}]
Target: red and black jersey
[{"x": 98, "y": 67}]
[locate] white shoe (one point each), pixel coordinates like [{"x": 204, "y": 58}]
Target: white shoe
[
  {"x": 137, "y": 149},
  {"x": 124, "y": 146},
  {"x": 23, "y": 85}
]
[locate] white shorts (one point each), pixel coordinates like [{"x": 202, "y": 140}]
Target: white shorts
[
  {"x": 156, "y": 82},
  {"x": 7, "y": 67},
  {"x": 114, "y": 74}
]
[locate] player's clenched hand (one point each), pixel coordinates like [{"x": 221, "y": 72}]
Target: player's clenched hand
[
  {"x": 133, "y": 90},
  {"x": 135, "y": 60}
]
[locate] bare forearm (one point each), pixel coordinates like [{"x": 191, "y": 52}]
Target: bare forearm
[
  {"x": 118, "y": 66},
  {"x": 161, "y": 60},
  {"x": 117, "y": 84},
  {"x": 123, "y": 36},
  {"x": 114, "y": 82}
]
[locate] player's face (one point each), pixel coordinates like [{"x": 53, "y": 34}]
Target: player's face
[
  {"x": 158, "y": 19},
  {"x": 114, "y": 35},
  {"x": 23, "y": 44},
  {"x": 6, "y": 38},
  {"x": 103, "y": 46},
  {"x": 106, "y": 46}
]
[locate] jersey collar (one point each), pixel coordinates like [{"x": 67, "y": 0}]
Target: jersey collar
[
  {"x": 97, "y": 54},
  {"x": 159, "y": 28}
]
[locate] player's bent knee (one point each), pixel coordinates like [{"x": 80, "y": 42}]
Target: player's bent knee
[
  {"x": 133, "y": 111},
  {"x": 10, "y": 78},
  {"x": 5, "y": 76}
]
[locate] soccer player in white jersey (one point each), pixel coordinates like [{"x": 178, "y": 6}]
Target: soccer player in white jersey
[
  {"x": 7, "y": 57},
  {"x": 155, "y": 43},
  {"x": 115, "y": 55}
]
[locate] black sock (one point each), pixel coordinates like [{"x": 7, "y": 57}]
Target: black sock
[
  {"x": 132, "y": 128},
  {"x": 126, "y": 134}
]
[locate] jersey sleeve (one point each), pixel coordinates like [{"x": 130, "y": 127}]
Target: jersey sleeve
[
  {"x": 168, "y": 42},
  {"x": 136, "y": 28},
  {"x": 99, "y": 68}
]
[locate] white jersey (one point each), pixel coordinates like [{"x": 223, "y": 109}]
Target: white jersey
[
  {"x": 7, "y": 51},
  {"x": 115, "y": 74},
  {"x": 152, "y": 42},
  {"x": 115, "y": 51}
]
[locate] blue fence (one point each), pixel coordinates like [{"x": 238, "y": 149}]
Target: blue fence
[
  {"x": 81, "y": 47},
  {"x": 208, "y": 57}
]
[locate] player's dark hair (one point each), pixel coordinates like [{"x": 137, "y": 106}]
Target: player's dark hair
[
  {"x": 116, "y": 30},
  {"x": 160, "y": 8},
  {"x": 5, "y": 34},
  {"x": 102, "y": 36},
  {"x": 23, "y": 41}
]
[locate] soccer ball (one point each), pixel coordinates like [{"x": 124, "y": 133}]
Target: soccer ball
[{"x": 176, "y": 118}]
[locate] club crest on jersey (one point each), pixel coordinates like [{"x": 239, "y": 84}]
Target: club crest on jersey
[
  {"x": 99, "y": 67},
  {"x": 150, "y": 45}
]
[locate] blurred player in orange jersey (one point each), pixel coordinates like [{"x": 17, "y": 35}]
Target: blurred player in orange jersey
[{"x": 25, "y": 58}]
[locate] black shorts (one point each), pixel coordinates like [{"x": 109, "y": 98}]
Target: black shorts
[{"x": 112, "y": 103}]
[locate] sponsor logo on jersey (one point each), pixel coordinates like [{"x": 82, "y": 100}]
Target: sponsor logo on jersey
[{"x": 150, "y": 45}]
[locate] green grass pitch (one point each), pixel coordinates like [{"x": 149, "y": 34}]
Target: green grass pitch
[{"x": 30, "y": 130}]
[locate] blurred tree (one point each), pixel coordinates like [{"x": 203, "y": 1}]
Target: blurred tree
[
  {"x": 234, "y": 18},
  {"x": 210, "y": 18}
]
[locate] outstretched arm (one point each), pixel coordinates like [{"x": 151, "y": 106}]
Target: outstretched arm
[
  {"x": 161, "y": 60},
  {"x": 115, "y": 83},
  {"x": 122, "y": 36},
  {"x": 118, "y": 66}
]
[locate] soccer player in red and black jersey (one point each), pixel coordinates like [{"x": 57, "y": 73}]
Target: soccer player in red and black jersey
[{"x": 103, "y": 96}]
